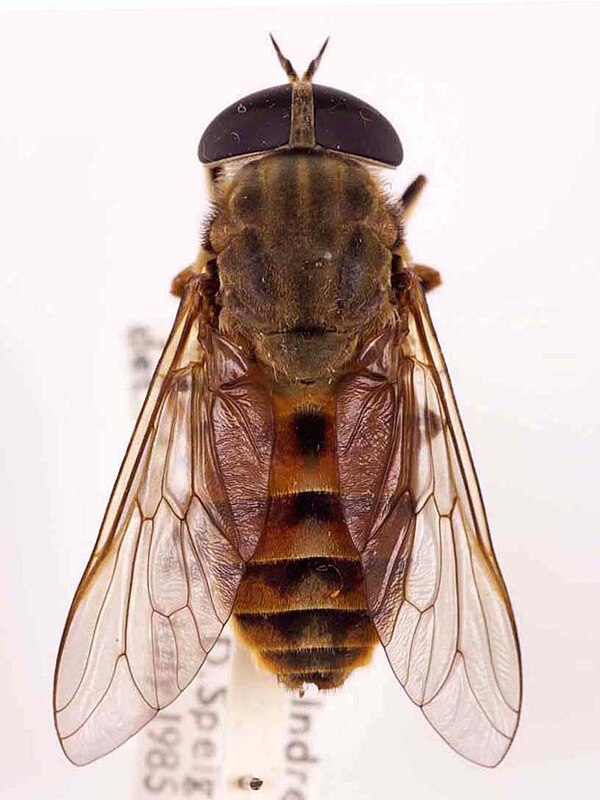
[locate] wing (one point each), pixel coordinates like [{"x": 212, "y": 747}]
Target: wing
[
  {"x": 414, "y": 510},
  {"x": 184, "y": 517}
]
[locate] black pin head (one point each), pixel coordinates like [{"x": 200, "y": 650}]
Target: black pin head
[
  {"x": 300, "y": 115},
  {"x": 250, "y": 783}
]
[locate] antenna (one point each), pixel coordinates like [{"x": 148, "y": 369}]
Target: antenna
[
  {"x": 314, "y": 64},
  {"x": 289, "y": 68},
  {"x": 302, "y": 124},
  {"x": 285, "y": 62}
]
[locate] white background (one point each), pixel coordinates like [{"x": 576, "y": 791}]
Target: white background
[{"x": 101, "y": 199}]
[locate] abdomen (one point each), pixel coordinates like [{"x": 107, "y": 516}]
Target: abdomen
[{"x": 301, "y": 605}]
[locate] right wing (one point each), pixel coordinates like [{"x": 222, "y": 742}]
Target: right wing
[
  {"x": 185, "y": 516},
  {"x": 413, "y": 508}
]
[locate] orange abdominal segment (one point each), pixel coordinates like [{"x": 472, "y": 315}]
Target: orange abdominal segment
[{"x": 301, "y": 606}]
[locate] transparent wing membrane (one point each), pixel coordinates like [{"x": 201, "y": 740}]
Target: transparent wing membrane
[
  {"x": 172, "y": 549},
  {"x": 434, "y": 589}
]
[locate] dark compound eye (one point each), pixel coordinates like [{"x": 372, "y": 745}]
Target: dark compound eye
[
  {"x": 348, "y": 125},
  {"x": 260, "y": 121}
]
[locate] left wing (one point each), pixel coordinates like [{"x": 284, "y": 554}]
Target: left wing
[
  {"x": 413, "y": 507},
  {"x": 184, "y": 518}
]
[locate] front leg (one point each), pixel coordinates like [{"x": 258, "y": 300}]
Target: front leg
[
  {"x": 180, "y": 280},
  {"x": 205, "y": 271},
  {"x": 411, "y": 194},
  {"x": 428, "y": 276}
]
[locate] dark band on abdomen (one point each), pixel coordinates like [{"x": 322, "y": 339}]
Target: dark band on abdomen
[{"x": 301, "y": 605}]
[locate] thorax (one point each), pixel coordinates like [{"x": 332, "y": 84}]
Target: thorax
[{"x": 303, "y": 244}]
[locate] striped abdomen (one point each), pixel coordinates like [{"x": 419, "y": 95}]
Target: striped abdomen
[{"x": 301, "y": 605}]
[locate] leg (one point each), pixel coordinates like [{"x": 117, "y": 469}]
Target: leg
[
  {"x": 403, "y": 265},
  {"x": 411, "y": 195},
  {"x": 204, "y": 271},
  {"x": 179, "y": 281},
  {"x": 204, "y": 264},
  {"x": 429, "y": 277}
]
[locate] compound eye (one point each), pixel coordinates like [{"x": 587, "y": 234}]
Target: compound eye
[
  {"x": 258, "y": 122},
  {"x": 348, "y": 125}
]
